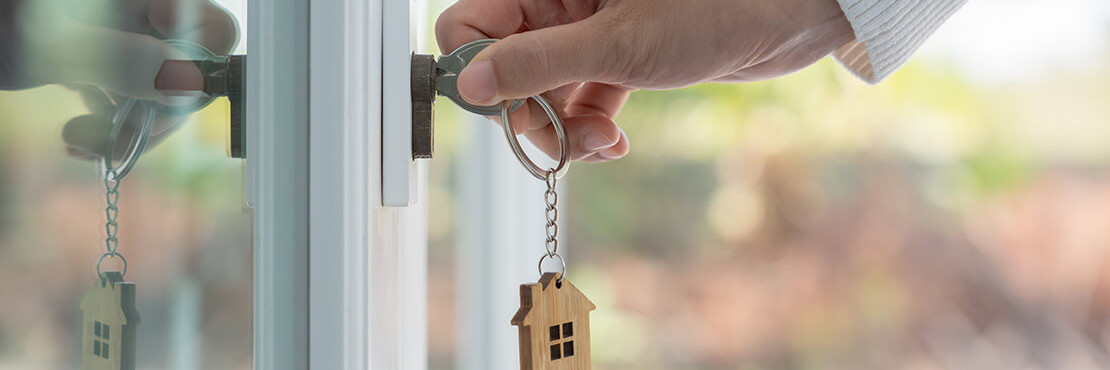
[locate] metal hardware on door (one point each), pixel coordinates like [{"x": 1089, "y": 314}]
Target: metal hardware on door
[
  {"x": 431, "y": 77},
  {"x": 228, "y": 77},
  {"x": 423, "y": 96}
]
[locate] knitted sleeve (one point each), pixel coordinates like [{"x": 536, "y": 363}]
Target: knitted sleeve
[{"x": 888, "y": 32}]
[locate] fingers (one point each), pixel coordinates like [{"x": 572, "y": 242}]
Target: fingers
[
  {"x": 598, "y": 98},
  {"x": 532, "y": 62},
  {"x": 179, "y": 78},
  {"x": 470, "y": 20},
  {"x": 616, "y": 151},
  {"x": 586, "y": 135},
  {"x": 537, "y": 117},
  {"x": 86, "y": 136},
  {"x": 61, "y": 50},
  {"x": 123, "y": 62},
  {"x": 589, "y": 112},
  {"x": 200, "y": 21}
]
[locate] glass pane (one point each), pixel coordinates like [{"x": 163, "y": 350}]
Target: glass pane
[{"x": 65, "y": 67}]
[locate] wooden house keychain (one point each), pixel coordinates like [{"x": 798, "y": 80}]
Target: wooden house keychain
[{"x": 554, "y": 317}]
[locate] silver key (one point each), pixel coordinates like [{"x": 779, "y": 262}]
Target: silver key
[{"x": 447, "y": 77}]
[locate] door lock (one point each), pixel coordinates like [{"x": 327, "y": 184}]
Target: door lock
[
  {"x": 224, "y": 75},
  {"x": 431, "y": 77},
  {"x": 228, "y": 77}
]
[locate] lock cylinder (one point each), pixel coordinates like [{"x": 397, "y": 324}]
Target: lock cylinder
[{"x": 423, "y": 76}]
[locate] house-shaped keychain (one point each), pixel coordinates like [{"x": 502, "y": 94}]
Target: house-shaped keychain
[
  {"x": 554, "y": 325},
  {"x": 109, "y": 324}
]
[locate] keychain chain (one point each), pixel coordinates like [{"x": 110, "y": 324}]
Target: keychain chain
[
  {"x": 551, "y": 198},
  {"x": 111, "y": 226},
  {"x": 549, "y": 176},
  {"x": 551, "y": 213},
  {"x": 111, "y": 242},
  {"x": 113, "y": 175}
]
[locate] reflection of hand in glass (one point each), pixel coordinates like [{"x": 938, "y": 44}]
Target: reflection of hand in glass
[{"x": 114, "y": 45}]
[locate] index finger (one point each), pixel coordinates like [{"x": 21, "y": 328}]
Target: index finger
[
  {"x": 200, "y": 21},
  {"x": 470, "y": 20}
]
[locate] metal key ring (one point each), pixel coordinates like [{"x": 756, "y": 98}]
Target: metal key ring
[
  {"x": 560, "y": 131},
  {"x": 562, "y": 265},
  {"x": 135, "y": 148},
  {"x": 111, "y": 255}
]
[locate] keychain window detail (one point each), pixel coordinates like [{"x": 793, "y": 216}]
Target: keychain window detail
[
  {"x": 554, "y": 325},
  {"x": 562, "y": 349},
  {"x": 100, "y": 344},
  {"x": 110, "y": 320}
]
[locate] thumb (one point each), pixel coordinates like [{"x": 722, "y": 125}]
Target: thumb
[{"x": 533, "y": 62}]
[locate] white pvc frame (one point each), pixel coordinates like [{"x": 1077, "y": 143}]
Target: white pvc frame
[
  {"x": 277, "y": 185},
  {"x": 340, "y": 281}
]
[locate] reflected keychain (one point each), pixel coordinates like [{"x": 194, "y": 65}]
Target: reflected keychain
[{"x": 109, "y": 316}]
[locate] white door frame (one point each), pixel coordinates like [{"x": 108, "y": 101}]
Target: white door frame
[
  {"x": 340, "y": 281},
  {"x": 277, "y": 185}
]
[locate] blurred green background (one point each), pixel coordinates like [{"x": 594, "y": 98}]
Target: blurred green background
[{"x": 955, "y": 216}]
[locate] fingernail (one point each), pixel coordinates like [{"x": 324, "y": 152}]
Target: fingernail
[
  {"x": 79, "y": 152},
  {"x": 595, "y": 141},
  {"x": 477, "y": 84},
  {"x": 611, "y": 153}
]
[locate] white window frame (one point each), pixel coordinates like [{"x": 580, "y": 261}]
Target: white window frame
[{"x": 339, "y": 280}]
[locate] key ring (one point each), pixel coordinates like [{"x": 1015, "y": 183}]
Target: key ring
[
  {"x": 135, "y": 148},
  {"x": 110, "y": 255},
  {"x": 140, "y": 140},
  {"x": 560, "y": 131},
  {"x": 562, "y": 265}
]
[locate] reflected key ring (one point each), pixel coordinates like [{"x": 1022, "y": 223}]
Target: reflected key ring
[
  {"x": 141, "y": 137},
  {"x": 139, "y": 140},
  {"x": 560, "y": 131}
]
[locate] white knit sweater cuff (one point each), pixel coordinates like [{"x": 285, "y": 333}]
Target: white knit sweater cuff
[{"x": 888, "y": 32}]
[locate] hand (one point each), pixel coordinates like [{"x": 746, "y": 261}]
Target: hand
[
  {"x": 109, "y": 50},
  {"x": 588, "y": 55}
]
